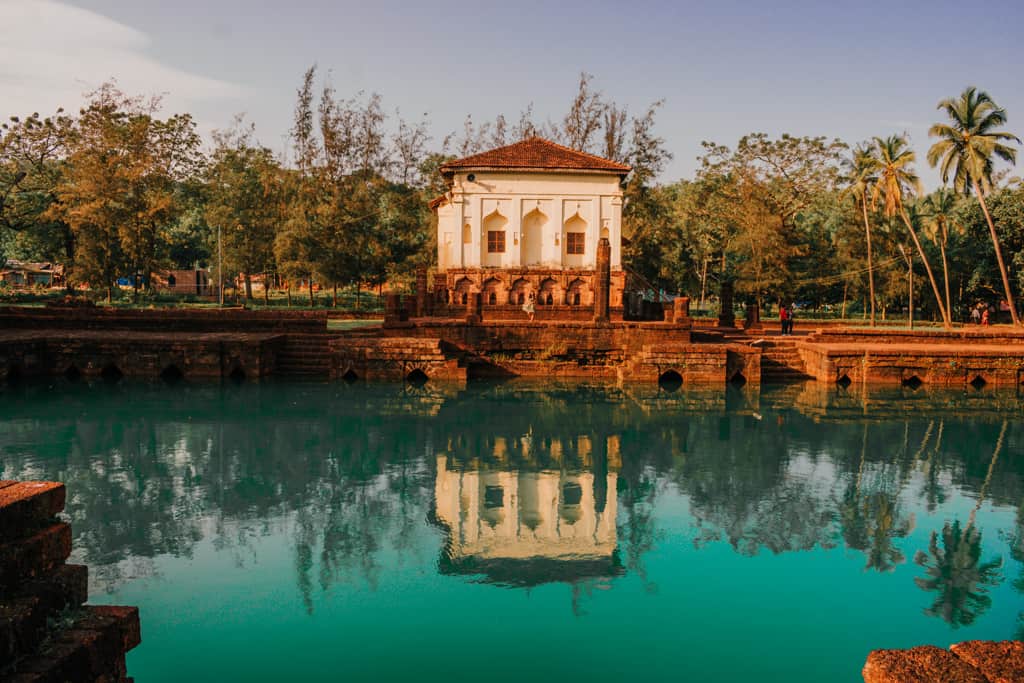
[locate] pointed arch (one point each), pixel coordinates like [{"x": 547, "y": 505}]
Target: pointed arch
[
  {"x": 578, "y": 293},
  {"x": 520, "y": 290},
  {"x": 494, "y": 292},
  {"x": 550, "y": 293},
  {"x": 532, "y": 244},
  {"x": 463, "y": 287}
]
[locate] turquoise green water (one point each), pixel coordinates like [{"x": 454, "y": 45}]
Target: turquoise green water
[{"x": 520, "y": 532}]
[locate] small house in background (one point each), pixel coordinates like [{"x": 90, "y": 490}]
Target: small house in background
[
  {"x": 525, "y": 220},
  {"x": 30, "y": 274},
  {"x": 194, "y": 282}
]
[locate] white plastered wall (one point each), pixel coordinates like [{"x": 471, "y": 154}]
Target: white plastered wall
[{"x": 588, "y": 202}]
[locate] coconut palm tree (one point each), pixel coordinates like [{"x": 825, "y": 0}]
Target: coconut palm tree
[
  {"x": 965, "y": 153},
  {"x": 897, "y": 181},
  {"x": 939, "y": 218},
  {"x": 862, "y": 178}
]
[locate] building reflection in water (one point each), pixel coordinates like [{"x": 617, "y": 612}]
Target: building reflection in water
[{"x": 528, "y": 525}]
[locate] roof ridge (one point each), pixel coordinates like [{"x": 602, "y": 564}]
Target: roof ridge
[
  {"x": 531, "y": 152},
  {"x": 574, "y": 150}
]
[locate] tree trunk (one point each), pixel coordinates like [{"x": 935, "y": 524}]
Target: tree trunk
[
  {"x": 871, "y": 271},
  {"x": 334, "y": 296},
  {"x": 288, "y": 292},
  {"x": 703, "y": 284},
  {"x": 842, "y": 315},
  {"x": 248, "y": 287},
  {"x": 931, "y": 277},
  {"x": 945, "y": 272},
  {"x": 312, "y": 304},
  {"x": 910, "y": 288},
  {"x": 110, "y": 294},
  {"x": 999, "y": 254},
  {"x": 358, "y": 288},
  {"x": 266, "y": 290}
]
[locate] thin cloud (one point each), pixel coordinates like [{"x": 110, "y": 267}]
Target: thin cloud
[{"x": 51, "y": 53}]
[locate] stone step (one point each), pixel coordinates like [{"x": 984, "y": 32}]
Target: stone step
[
  {"x": 91, "y": 649},
  {"x": 24, "y": 506},
  {"x": 32, "y": 557},
  {"x": 23, "y": 618}
]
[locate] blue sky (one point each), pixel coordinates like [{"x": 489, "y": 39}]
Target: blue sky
[{"x": 724, "y": 69}]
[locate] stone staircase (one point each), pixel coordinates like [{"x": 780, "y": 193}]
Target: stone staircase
[
  {"x": 305, "y": 356},
  {"x": 781, "y": 361}
]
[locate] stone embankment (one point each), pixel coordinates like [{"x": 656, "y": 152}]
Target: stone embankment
[
  {"x": 973, "y": 661},
  {"x": 241, "y": 344},
  {"x": 960, "y": 358},
  {"x": 47, "y": 633}
]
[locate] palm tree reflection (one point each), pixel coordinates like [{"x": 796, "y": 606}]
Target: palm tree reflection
[{"x": 955, "y": 572}]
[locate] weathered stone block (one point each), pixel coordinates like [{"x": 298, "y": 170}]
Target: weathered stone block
[
  {"x": 25, "y": 506},
  {"x": 34, "y": 556},
  {"x": 925, "y": 664},
  {"x": 1000, "y": 662}
]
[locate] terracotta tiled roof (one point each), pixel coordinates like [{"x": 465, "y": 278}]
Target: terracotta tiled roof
[{"x": 536, "y": 154}]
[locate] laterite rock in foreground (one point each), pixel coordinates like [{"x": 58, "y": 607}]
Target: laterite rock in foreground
[
  {"x": 47, "y": 633},
  {"x": 974, "y": 661}
]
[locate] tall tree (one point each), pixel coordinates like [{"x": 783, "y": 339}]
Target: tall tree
[
  {"x": 861, "y": 179},
  {"x": 897, "y": 181},
  {"x": 966, "y": 151},
  {"x": 32, "y": 162},
  {"x": 940, "y": 217},
  {"x": 582, "y": 123},
  {"x": 297, "y": 247},
  {"x": 244, "y": 196},
  {"x": 119, "y": 192}
]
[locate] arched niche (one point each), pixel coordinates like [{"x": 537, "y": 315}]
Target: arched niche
[
  {"x": 532, "y": 243},
  {"x": 495, "y": 239},
  {"x": 520, "y": 291},
  {"x": 574, "y": 241},
  {"x": 494, "y": 292},
  {"x": 578, "y": 293},
  {"x": 550, "y": 293},
  {"x": 462, "y": 290}
]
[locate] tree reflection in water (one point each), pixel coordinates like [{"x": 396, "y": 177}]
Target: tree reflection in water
[
  {"x": 955, "y": 572},
  {"x": 350, "y": 474}
]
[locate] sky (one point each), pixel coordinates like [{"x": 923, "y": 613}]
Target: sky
[{"x": 847, "y": 70}]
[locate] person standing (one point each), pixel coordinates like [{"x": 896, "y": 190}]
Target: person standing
[
  {"x": 984, "y": 318},
  {"x": 792, "y": 318},
  {"x": 530, "y": 306},
  {"x": 784, "y": 318},
  {"x": 976, "y": 315}
]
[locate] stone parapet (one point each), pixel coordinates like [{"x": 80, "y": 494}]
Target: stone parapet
[
  {"x": 161, "y": 320},
  {"x": 89, "y": 643}
]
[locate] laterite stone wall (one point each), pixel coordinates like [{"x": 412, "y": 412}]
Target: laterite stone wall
[{"x": 47, "y": 632}]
